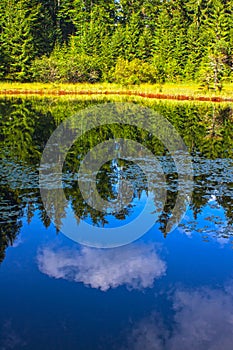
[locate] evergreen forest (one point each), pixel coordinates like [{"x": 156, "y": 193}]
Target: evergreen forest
[{"x": 118, "y": 41}]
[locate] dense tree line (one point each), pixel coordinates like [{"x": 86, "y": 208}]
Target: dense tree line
[{"x": 124, "y": 41}]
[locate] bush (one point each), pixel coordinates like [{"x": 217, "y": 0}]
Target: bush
[
  {"x": 213, "y": 72},
  {"x": 66, "y": 68},
  {"x": 45, "y": 69},
  {"x": 80, "y": 68},
  {"x": 133, "y": 72}
]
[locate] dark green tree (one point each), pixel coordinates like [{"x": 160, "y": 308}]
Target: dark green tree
[
  {"x": 215, "y": 31},
  {"x": 17, "y": 38}
]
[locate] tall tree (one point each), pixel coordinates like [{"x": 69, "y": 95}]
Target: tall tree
[
  {"x": 16, "y": 37},
  {"x": 215, "y": 32}
]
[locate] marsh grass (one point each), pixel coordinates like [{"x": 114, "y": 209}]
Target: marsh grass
[
  {"x": 167, "y": 89},
  {"x": 147, "y": 102}
]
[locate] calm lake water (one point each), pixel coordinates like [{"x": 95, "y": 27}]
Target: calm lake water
[{"x": 165, "y": 291}]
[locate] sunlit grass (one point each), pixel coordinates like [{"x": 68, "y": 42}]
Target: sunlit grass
[
  {"x": 187, "y": 89},
  {"x": 147, "y": 102},
  {"x": 171, "y": 89}
]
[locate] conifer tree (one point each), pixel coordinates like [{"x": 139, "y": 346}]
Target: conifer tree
[
  {"x": 146, "y": 44},
  {"x": 17, "y": 38},
  {"x": 133, "y": 31},
  {"x": 229, "y": 11},
  {"x": 190, "y": 39},
  {"x": 215, "y": 31},
  {"x": 164, "y": 45}
]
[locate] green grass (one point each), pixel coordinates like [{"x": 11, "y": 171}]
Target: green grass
[{"x": 173, "y": 89}]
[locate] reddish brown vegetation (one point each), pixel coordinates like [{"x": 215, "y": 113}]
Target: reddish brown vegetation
[{"x": 127, "y": 93}]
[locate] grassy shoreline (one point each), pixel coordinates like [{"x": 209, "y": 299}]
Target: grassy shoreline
[{"x": 182, "y": 91}]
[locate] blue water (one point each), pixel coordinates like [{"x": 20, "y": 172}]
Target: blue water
[
  {"x": 57, "y": 294},
  {"x": 161, "y": 292}
]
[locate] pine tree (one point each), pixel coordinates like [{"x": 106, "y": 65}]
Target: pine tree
[
  {"x": 229, "y": 11},
  {"x": 215, "y": 31},
  {"x": 133, "y": 31},
  {"x": 127, "y": 8},
  {"x": 17, "y": 38},
  {"x": 146, "y": 44},
  {"x": 44, "y": 27},
  {"x": 196, "y": 44},
  {"x": 115, "y": 46},
  {"x": 168, "y": 43}
]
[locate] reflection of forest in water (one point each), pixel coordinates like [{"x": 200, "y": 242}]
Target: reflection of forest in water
[{"x": 26, "y": 125}]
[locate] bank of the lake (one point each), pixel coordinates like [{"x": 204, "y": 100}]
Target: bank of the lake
[{"x": 181, "y": 91}]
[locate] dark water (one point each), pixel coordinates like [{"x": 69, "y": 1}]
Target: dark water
[{"x": 165, "y": 291}]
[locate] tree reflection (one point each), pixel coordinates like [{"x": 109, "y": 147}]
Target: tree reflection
[
  {"x": 27, "y": 124},
  {"x": 11, "y": 213}
]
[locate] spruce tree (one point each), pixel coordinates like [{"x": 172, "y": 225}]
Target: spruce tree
[
  {"x": 133, "y": 31},
  {"x": 146, "y": 44},
  {"x": 17, "y": 38},
  {"x": 164, "y": 44},
  {"x": 215, "y": 31}
]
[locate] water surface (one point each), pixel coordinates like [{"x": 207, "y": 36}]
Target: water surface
[{"x": 165, "y": 291}]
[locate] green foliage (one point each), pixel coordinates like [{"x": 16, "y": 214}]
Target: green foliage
[
  {"x": 213, "y": 72},
  {"x": 17, "y": 38},
  {"x": 64, "y": 65},
  {"x": 45, "y": 69},
  {"x": 190, "y": 40},
  {"x": 214, "y": 67},
  {"x": 196, "y": 46},
  {"x": 134, "y": 72},
  {"x": 170, "y": 42}
]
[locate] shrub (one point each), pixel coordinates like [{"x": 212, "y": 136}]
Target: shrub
[
  {"x": 213, "y": 72},
  {"x": 66, "y": 68},
  {"x": 133, "y": 72},
  {"x": 45, "y": 69},
  {"x": 80, "y": 68}
]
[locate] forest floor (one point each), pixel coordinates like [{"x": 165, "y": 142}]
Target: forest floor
[{"x": 173, "y": 91}]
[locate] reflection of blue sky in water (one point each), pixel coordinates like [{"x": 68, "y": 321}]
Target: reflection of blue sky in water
[
  {"x": 136, "y": 207},
  {"x": 203, "y": 320},
  {"x": 199, "y": 317},
  {"x": 153, "y": 300},
  {"x": 185, "y": 316},
  {"x": 211, "y": 223},
  {"x": 11, "y": 338},
  {"x": 159, "y": 294},
  {"x": 136, "y": 266}
]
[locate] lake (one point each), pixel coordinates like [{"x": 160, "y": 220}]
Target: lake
[{"x": 141, "y": 264}]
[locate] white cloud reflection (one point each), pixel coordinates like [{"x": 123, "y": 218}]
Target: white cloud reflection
[
  {"x": 10, "y": 338},
  {"x": 203, "y": 320},
  {"x": 137, "y": 266}
]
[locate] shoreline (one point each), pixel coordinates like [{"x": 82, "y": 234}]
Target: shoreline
[
  {"x": 158, "y": 96},
  {"x": 168, "y": 91}
]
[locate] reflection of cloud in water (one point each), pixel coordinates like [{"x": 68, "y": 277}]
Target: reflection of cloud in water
[
  {"x": 17, "y": 242},
  {"x": 136, "y": 266},
  {"x": 211, "y": 224},
  {"x": 203, "y": 320},
  {"x": 9, "y": 337},
  {"x": 149, "y": 334}
]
